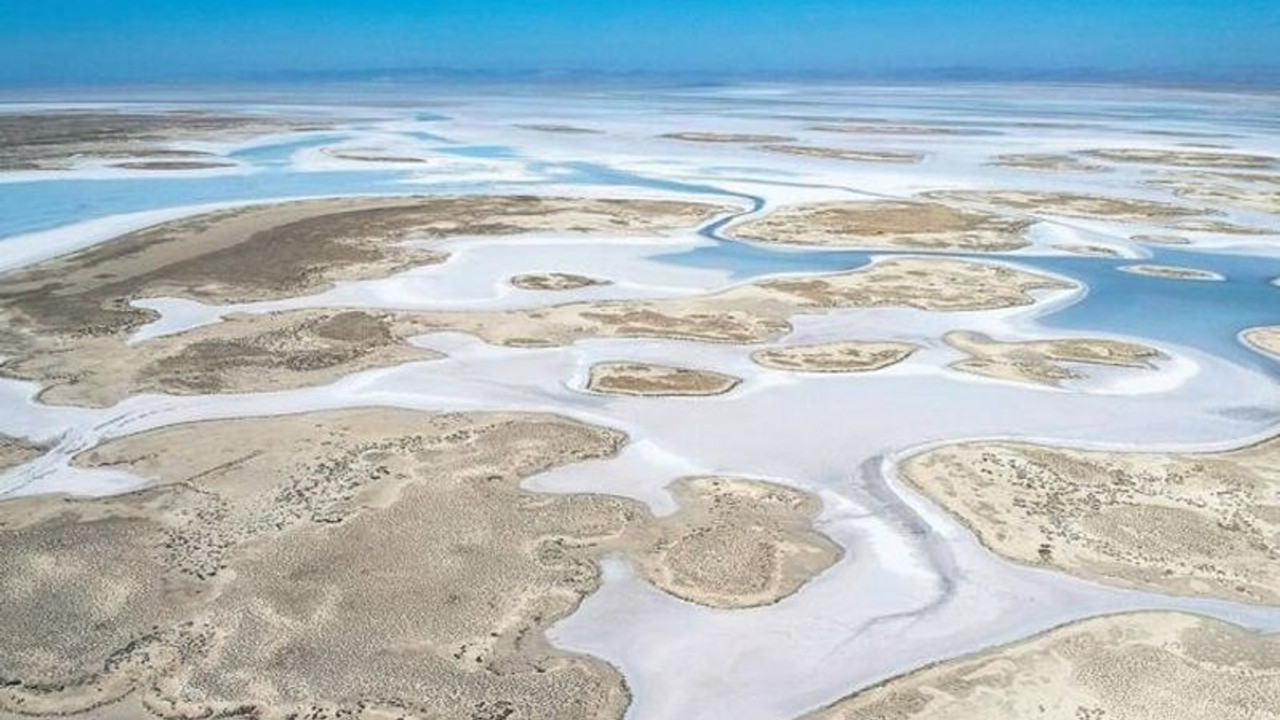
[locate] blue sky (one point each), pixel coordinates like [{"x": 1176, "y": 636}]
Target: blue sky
[{"x": 87, "y": 40}]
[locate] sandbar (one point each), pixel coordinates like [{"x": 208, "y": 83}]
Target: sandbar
[
  {"x": 1044, "y": 161},
  {"x": 1069, "y": 204},
  {"x": 881, "y": 156},
  {"x": 715, "y": 137},
  {"x": 1185, "y": 158},
  {"x": 1087, "y": 249},
  {"x": 1172, "y": 272}
]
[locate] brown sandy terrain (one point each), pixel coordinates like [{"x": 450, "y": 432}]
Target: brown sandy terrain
[
  {"x": 1042, "y": 161},
  {"x": 884, "y": 156},
  {"x": 714, "y": 137},
  {"x": 836, "y": 357},
  {"x": 1182, "y": 523},
  {"x": 887, "y": 224},
  {"x": 245, "y": 353},
  {"x": 16, "y": 451},
  {"x": 650, "y": 380},
  {"x": 74, "y": 312},
  {"x": 171, "y": 165},
  {"x": 1041, "y": 361},
  {"x": 1216, "y": 226},
  {"x": 1172, "y": 272},
  {"x": 736, "y": 543},
  {"x": 76, "y": 345},
  {"x": 56, "y": 140},
  {"x": 555, "y": 281},
  {"x": 1266, "y": 339},
  {"x": 1135, "y": 666},
  {"x": 1250, "y": 191},
  {"x": 367, "y": 562},
  {"x": 1185, "y": 158},
  {"x": 1068, "y": 204},
  {"x": 1086, "y": 249},
  {"x": 564, "y": 129}
]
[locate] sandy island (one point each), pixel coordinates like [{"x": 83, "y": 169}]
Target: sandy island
[
  {"x": 1172, "y": 272},
  {"x": 1250, "y": 191},
  {"x": 1087, "y": 249},
  {"x": 1134, "y": 666},
  {"x": 1069, "y": 204},
  {"x": 171, "y": 165},
  {"x": 1041, "y": 361},
  {"x": 555, "y": 281},
  {"x": 887, "y": 224},
  {"x": 262, "y": 539},
  {"x": 1180, "y": 523},
  {"x": 817, "y": 151},
  {"x": 715, "y": 137},
  {"x": 562, "y": 129},
  {"x": 1185, "y": 158},
  {"x": 838, "y": 357},
  {"x": 1266, "y": 339},
  {"x": 1049, "y": 162},
  {"x": 650, "y": 380}
]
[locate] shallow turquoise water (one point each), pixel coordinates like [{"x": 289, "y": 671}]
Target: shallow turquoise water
[{"x": 1203, "y": 315}]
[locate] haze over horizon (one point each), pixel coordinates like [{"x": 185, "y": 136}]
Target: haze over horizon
[{"x": 93, "y": 41}]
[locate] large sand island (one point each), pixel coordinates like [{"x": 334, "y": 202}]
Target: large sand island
[
  {"x": 1127, "y": 667},
  {"x": 883, "y": 224},
  {"x": 273, "y": 555},
  {"x": 1182, "y": 523},
  {"x": 1045, "y": 362}
]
